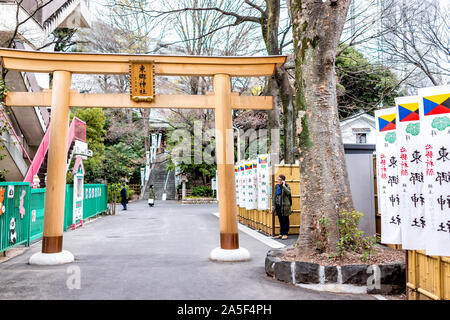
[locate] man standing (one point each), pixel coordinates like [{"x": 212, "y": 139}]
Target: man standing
[
  {"x": 281, "y": 203},
  {"x": 123, "y": 195}
]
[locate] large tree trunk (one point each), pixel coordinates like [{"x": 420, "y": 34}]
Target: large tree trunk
[{"x": 324, "y": 185}]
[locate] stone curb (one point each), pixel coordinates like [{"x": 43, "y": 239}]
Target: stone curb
[
  {"x": 198, "y": 201},
  {"x": 392, "y": 279}
]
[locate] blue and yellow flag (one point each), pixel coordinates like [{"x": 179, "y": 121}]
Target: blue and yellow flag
[
  {"x": 386, "y": 122},
  {"x": 437, "y": 104},
  {"x": 408, "y": 111}
]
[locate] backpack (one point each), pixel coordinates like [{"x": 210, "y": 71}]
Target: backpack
[{"x": 290, "y": 198}]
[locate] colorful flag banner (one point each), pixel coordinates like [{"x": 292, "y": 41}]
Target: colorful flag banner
[
  {"x": 263, "y": 174},
  {"x": 388, "y": 166},
  {"x": 410, "y": 179},
  {"x": 236, "y": 182},
  {"x": 250, "y": 176},
  {"x": 434, "y": 109},
  {"x": 239, "y": 201}
]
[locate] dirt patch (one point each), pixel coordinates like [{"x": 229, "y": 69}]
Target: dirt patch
[
  {"x": 381, "y": 255},
  {"x": 11, "y": 253}
]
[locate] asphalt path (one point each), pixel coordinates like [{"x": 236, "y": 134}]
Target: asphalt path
[{"x": 151, "y": 253}]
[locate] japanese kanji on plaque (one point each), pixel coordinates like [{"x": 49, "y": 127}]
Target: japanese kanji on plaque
[
  {"x": 388, "y": 169},
  {"x": 142, "y": 81}
]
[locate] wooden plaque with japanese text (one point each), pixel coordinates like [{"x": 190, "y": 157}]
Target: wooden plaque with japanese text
[{"x": 142, "y": 81}]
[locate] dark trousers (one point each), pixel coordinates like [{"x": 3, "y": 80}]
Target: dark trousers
[
  {"x": 284, "y": 224},
  {"x": 124, "y": 204}
]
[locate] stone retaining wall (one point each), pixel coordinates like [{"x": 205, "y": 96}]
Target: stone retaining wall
[
  {"x": 392, "y": 279},
  {"x": 198, "y": 201}
]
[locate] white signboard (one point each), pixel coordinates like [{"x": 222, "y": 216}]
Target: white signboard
[
  {"x": 78, "y": 193},
  {"x": 142, "y": 176},
  {"x": 410, "y": 179},
  {"x": 263, "y": 174},
  {"x": 388, "y": 165},
  {"x": 435, "y": 125}
]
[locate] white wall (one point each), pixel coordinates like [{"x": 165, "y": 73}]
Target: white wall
[{"x": 348, "y": 136}]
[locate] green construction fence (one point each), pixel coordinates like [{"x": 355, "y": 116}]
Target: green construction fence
[{"x": 22, "y": 212}]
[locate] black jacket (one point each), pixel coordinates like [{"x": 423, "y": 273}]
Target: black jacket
[{"x": 123, "y": 194}]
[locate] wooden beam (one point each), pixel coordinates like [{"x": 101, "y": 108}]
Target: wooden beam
[
  {"x": 89, "y": 63},
  {"x": 77, "y": 100}
]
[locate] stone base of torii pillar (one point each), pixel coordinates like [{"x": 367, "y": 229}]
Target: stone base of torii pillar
[
  {"x": 229, "y": 255},
  {"x": 51, "y": 259}
]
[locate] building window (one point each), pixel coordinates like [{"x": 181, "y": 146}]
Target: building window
[{"x": 361, "y": 138}]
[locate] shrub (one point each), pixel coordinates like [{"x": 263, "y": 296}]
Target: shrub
[
  {"x": 202, "y": 191},
  {"x": 114, "y": 192},
  {"x": 351, "y": 238}
]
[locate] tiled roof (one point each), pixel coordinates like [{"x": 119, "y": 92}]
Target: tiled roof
[{"x": 48, "y": 13}]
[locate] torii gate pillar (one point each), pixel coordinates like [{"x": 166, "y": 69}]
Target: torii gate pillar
[
  {"x": 52, "y": 239},
  {"x": 229, "y": 241}
]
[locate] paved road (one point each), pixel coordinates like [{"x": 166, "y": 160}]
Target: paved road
[{"x": 151, "y": 253}]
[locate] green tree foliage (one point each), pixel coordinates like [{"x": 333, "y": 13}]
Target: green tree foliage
[
  {"x": 118, "y": 148},
  {"x": 95, "y": 134},
  {"x": 361, "y": 85},
  {"x": 203, "y": 171},
  {"x": 126, "y": 138},
  {"x": 121, "y": 161}
]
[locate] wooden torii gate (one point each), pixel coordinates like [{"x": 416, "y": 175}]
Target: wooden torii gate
[{"x": 140, "y": 67}]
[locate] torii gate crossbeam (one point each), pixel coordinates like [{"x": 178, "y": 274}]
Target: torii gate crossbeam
[{"x": 60, "y": 99}]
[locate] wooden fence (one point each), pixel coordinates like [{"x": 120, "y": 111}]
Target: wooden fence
[
  {"x": 266, "y": 222},
  {"x": 428, "y": 277},
  {"x": 135, "y": 187}
]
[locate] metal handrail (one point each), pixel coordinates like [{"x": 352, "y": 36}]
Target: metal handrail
[{"x": 74, "y": 133}]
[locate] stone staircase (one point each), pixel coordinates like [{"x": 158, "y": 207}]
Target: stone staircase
[{"x": 158, "y": 177}]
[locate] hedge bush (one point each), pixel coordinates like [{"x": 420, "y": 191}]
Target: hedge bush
[{"x": 202, "y": 191}]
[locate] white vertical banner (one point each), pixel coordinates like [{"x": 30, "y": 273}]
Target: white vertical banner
[
  {"x": 242, "y": 185},
  {"x": 236, "y": 182},
  {"x": 263, "y": 173},
  {"x": 388, "y": 165},
  {"x": 434, "y": 109},
  {"x": 410, "y": 180},
  {"x": 255, "y": 183},
  {"x": 249, "y": 185}
]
